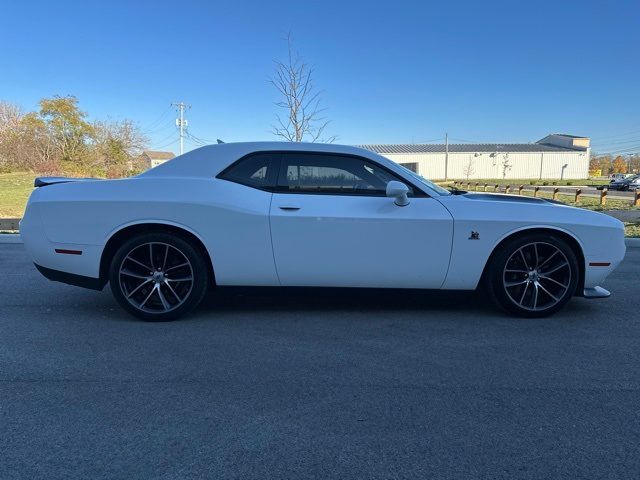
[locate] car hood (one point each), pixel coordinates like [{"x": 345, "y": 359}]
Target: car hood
[
  {"x": 514, "y": 212},
  {"x": 499, "y": 197}
]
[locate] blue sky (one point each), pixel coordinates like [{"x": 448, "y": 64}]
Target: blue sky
[{"x": 392, "y": 72}]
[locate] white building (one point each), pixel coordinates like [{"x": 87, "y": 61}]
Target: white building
[{"x": 556, "y": 156}]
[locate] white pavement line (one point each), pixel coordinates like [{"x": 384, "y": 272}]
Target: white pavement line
[{"x": 10, "y": 238}]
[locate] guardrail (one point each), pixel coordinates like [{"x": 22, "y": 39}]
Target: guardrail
[{"x": 578, "y": 193}]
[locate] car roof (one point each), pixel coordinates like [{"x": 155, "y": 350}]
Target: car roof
[{"x": 210, "y": 160}]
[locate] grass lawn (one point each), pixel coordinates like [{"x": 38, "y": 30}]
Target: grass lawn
[{"x": 14, "y": 192}]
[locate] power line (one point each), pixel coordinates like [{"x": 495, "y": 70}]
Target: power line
[
  {"x": 625, "y": 142},
  {"x": 617, "y": 135},
  {"x": 161, "y": 128},
  {"x": 171, "y": 135},
  {"x": 196, "y": 141},
  {"x": 166, "y": 145},
  {"x": 633, "y": 149},
  {"x": 203, "y": 141},
  {"x": 147, "y": 129}
]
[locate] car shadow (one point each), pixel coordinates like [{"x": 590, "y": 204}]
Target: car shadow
[{"x": 224, "y": 299}]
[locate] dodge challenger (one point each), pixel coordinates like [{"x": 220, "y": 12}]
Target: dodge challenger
[{"x": 313, "y": 215}]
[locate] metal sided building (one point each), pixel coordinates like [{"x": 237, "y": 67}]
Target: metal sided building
[{"x": 556, "y": 156}]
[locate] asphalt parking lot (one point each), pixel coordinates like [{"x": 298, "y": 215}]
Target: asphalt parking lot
[{"x": 316, "y": 384}]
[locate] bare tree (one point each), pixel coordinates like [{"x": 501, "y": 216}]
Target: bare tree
[
  {"x": 469, "y": 169},
  {"x": 506, "y": 165},
  {"x": 294, "y": 81},
  {"x": 116, "y": 146},
  {"x": 24, "y": 143},
  {"x": 10, "y": 117}
]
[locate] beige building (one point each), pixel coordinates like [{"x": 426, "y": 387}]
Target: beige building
[
  {"x": 149, "y": 158},
  {"x": 556, "y": 156}
]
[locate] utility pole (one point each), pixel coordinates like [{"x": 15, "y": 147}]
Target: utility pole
[
  {"x": 446, "y": 154},
  {"x": 181, "y": 123}
]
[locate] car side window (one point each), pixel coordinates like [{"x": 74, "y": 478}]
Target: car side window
[
  {"x": 333, "y": 174},
  {"x": 256, "y": 171}
]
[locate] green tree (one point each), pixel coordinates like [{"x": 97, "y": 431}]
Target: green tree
[{"x": 67, "y": 126}]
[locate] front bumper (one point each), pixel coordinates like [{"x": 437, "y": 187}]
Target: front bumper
[{"x": 596, "y": 292}]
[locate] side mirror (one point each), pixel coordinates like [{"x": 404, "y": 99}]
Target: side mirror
[{"x": 399, "y": 191}]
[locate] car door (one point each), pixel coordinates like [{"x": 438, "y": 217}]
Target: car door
[{"x": 333, "y": 225}]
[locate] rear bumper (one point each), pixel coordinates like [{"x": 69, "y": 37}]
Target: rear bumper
[
  {"x": 70, "y": 278},
  {"x": 75, "y": 259}
]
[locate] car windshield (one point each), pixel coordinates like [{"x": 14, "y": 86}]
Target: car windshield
[{"x": 424, "y": 181}]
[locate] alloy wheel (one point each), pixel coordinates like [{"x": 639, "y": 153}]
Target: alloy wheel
[
  {"x": 156, "y": 277},
  {"x": 537, "y": 276}
]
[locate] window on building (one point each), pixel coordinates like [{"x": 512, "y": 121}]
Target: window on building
[{"x": 411, "y": 166}]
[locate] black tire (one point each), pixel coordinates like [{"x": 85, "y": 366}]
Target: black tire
[
  {"x": 174, "y": 296},
  {"x": 529, "y": 292}
]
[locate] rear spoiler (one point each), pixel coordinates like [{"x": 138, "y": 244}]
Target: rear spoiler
[{"x": 44, "y": 181}]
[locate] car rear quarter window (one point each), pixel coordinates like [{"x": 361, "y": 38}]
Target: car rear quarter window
[{"x": 256, "y": 170}]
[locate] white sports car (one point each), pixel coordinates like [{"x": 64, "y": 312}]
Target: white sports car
[{"x": 291, "y": 214}]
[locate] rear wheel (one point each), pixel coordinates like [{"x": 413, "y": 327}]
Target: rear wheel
[
  {"x": 533, "y": 275},
  {"x": 158, "y": 276}
]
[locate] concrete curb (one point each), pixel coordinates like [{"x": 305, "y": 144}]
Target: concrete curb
[
  {"x": 632, "y": 242},
  {"x": 15, "y": 238},
  {"x": 10, "y": 238}
]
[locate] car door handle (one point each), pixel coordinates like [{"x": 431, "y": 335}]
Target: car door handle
[{"x": 288, "y": 208}]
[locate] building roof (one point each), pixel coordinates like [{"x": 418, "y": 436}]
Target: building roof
[
  {"x": 569, "y": 136},
  {"x": 156, "y": 155},
  {"x": 466, "y": 148}
]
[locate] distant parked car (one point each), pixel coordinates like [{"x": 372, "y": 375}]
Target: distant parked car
[
  {"x": 619, "y": 176},
  {"x": 623, "y": 182},
  {"x": 633, "y": 183}
]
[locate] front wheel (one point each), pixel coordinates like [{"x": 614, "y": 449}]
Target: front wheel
[
  {"x": 158, "y": 276},
  {"x": 533, "y": 275}
]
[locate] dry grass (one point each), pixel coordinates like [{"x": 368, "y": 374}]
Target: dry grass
[
  {"x": 632, "y": 230},
  {"x": 516, "y": 182}
]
